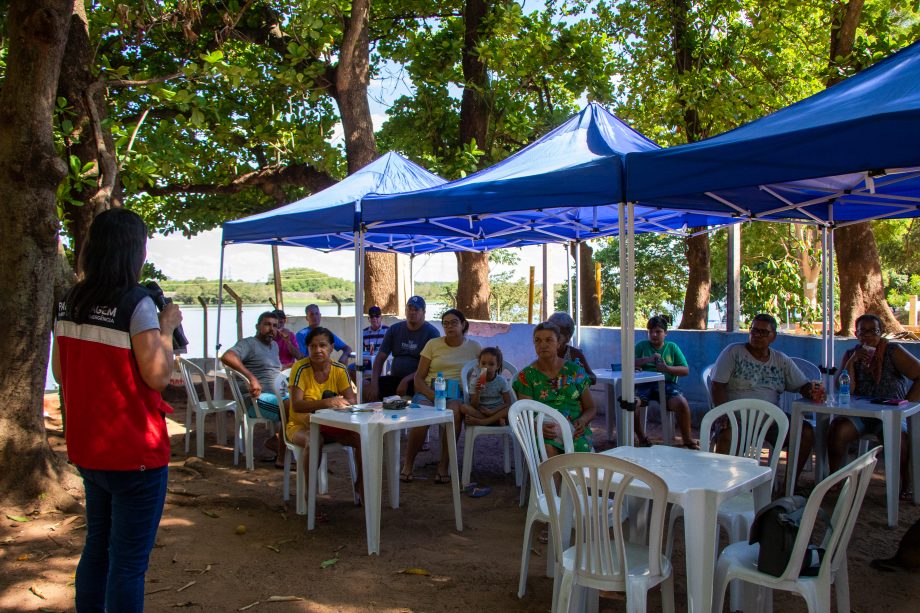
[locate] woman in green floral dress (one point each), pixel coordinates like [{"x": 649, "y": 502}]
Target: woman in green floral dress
[{"x": 559, "y": 384}]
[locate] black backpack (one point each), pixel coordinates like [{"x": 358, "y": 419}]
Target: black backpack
[{"x": 775, "y": 527}]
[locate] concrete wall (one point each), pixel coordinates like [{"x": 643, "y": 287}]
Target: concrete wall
[{"x": 602, "y": 346}]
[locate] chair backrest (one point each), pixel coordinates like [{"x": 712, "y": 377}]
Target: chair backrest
[
  {"x": 855, "y": 478},
  {"x": 597, "y": 486},
  {"x": 706, "y": 378},
  {"x": 508, "y": 367},
  {"x": 283, "y": 408},
  {"x": 811, "y": 372},
  {"x": 236, "y": 380},
  {"x": 191, "y": 371},
  {"x": 526, "y": 418},
  {"x": 750, "y": 420}
]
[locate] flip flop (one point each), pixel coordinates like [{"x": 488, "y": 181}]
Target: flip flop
[
  {"x": 907, "y": 496},
  {"x": 439, "y": 478},
  {"x": 406, "y": 477},
  {"x": 474, "y": 491}
]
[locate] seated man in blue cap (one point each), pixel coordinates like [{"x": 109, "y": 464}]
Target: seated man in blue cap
[
  {"x": 404, "y": 340},
  {"x": 315, "y": 320}
]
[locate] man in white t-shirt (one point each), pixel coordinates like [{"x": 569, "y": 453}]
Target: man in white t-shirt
[{"x": 754, "y": 370}]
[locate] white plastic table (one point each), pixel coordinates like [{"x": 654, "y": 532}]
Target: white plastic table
[
  {"x": 372, "y": 425},
  {"x": 699, "y": 482},
  {"x": 625, "y": 426},
  {"x": 891, "y": 433}
]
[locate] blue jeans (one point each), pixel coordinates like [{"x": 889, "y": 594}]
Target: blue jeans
[{"x": 123, "y": 510}]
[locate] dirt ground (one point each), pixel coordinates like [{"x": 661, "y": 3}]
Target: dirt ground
[{"x": 200, "y": 562}]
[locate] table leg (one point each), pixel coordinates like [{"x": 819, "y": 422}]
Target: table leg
[
  {"x": 612, "y": 412},
  {"x": 822, "y": 424},
  {"x": 792, "y": 457},
  {"x": 391, "y": 443},
  {"x": 311, "y": 475},
  {"x": 663, "y": 412},
  {"x": 372, "y": 459},
  {"x": 451, "y": 439},
  {"x": 913, "y": 428},
  {"x": 701, "y": 532},
  {"x": 892, "y": 444}
]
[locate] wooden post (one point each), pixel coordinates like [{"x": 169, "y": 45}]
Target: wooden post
[
  {"x": 239, "y": 310},
  {"x": 597, "y": 280},
  {"x": 204, "y": 312},
  {"x": 276, "y": 266},
  {"x": 530, "y": 297},
  {"x": 338, "y": 303},
  {"x": 912, "y": 314}
]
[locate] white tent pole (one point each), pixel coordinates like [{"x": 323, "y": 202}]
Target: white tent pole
[
  {"x": 545, "y": 310},
  {"x": 220, "y": 303},
  {"x": 578, "y": 281},
  {"x": 568, "y": 273},
  {"x": 826, "y": 360},
  {"x": 832, "y": 317},
  {"x": 359, "y": 302},
  {"x": 411, "y": 275}
]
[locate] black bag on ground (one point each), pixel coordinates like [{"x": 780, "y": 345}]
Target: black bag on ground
[{"x": 776, "y": 527}]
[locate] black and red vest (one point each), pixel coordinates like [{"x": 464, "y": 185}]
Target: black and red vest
[{"x": 115, "y": 421}]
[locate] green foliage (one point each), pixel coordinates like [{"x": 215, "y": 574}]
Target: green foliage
[
  {"x": 298, "y": 284},
  {"x": 775, "y": 287}
]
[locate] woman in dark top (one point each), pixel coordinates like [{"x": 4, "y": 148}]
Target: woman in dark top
[
  {"x": 113, "y": 355},
  {"x": 878, "y": 369}
]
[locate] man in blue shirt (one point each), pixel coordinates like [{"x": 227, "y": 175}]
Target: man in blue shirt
[{"x": 314, "y": 320}]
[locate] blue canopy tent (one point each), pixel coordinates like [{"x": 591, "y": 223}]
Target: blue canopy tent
[{"x": 844, "y": 155}]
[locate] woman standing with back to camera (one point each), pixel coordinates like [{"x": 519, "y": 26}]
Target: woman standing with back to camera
[{"x": 113, "y": 355}]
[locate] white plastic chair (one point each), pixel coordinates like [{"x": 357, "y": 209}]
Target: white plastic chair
[
  {"x": 526, "y": 418},
  {"x": 191, "y": 371},
  {"x": 471, "y": 432},
  {"x": 295, "y": 451},
  {"x": 597, "y": 486},
  {"x": 739, "y": 560},
  {"x": 706, "y": 379},
  {"x": 244, "y": 421},
  {"x": 749, "y": 420}
]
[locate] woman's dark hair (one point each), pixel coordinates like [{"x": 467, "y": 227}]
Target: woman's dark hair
[
  {"x": 873, "y": 318},
  {"x": 658, "y": 321},
  {"x": 494, "y": 351},
  {"x": 319, "y": 331},
  {"x": 111, "y": 260},
  {"x": 463, "y": 322},
  {"x": 548, "y": 325}
]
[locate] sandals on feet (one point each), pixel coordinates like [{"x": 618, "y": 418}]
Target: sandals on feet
[
  {"x": 439, "y": 478},
  {"x": 907, "y": 496},
  {"x": 406, "y": 477}
]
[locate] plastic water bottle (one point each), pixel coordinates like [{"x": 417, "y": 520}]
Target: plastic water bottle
[
  {"x": 843, "y": 394},
  {"x": 440, "y": 393}
]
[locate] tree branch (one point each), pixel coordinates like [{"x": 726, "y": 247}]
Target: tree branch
[{"x": 268, "y": 179}]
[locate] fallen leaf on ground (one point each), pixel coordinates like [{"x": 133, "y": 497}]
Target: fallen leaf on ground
[
  {"x": 37, "y": 593},
  {"x": 273, "y": 548},
  {"x": 187, "y": 603},
  {"x": 283, "y": 599},
  {"x": 328, "y": 563},
  {"x": 187, "y": 585},
  {"x": 249, "y": 606},
  {"x": 162, "y": 589},
  {"x": 19, "y": 518},
  {"x": 414, "y": 571},
  {"x": 210, "y": 514},
  {"x": 24, "y": 557}
]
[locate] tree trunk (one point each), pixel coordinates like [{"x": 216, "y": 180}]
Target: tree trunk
[
  {"x": 699, "y": 283},
  {"x": 861, "y": 288},
  {"x": 587, "y": 289},
  {"x": 858, "y": 266},
  {"x": 351, "y": 80},
  {"x": 807, "y": 238},
  {"x": 30, "y": 172},
  {"x": 475, "y": 111},
  {"x": 473, "y": 285},
  {"x": 90, "y": 140}
]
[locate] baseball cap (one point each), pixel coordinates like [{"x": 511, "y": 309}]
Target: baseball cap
[
  {"x": 417, "y": 302},
  {"x": 374, "y": 311}
]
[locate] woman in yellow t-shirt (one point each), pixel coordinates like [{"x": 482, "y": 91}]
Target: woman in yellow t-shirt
[
  {"x": 447, "y": 355},
  {"x": 319, "y": 383}
]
